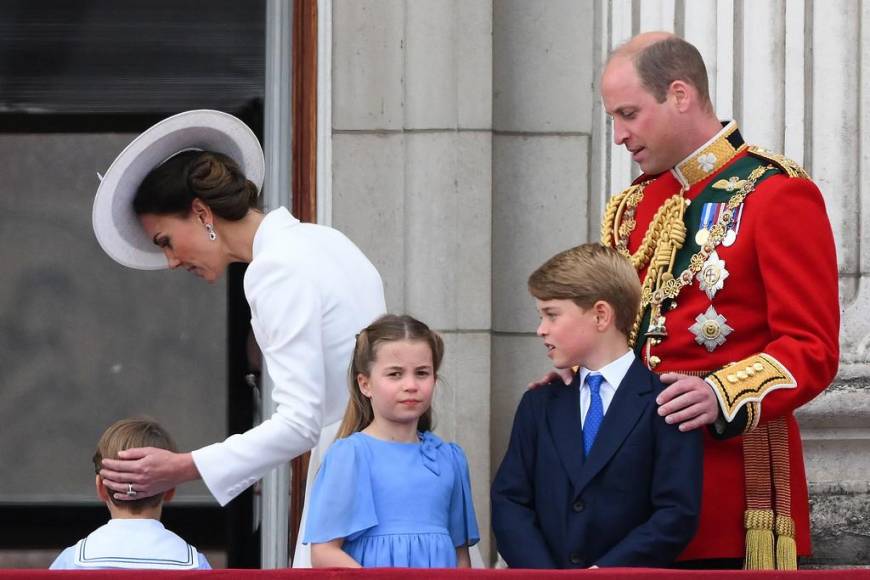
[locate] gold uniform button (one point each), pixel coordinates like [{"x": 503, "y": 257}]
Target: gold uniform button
[
  {"x": 732, "y": 378},
  {"x": 741, "y": 375},
  {"x": 758, "y": 366},
  {"x": 654, "y": 361}
]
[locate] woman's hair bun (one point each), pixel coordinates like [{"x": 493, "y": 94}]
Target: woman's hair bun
[
  {"x": 220, "y": 183},
  {"x": 212, "y": 177}
]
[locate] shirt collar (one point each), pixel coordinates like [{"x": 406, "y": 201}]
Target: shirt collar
[
  {"x": 613, "y": 372},
  {"x": 710, "y": 157},
  {"x": 135, "y": 543}
]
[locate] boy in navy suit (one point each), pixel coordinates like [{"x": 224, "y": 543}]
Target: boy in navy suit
[{"x": 593, "y": 476}]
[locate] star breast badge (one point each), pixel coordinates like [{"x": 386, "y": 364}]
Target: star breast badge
[
  {"x": 710, "y": 329},
  {"x": 712, "y": 275}
]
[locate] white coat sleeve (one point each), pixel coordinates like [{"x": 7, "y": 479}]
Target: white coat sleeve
[{"x": 286, "y": 313}]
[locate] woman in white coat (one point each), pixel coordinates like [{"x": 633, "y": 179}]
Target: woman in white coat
[{"x": 184, "y": 195}]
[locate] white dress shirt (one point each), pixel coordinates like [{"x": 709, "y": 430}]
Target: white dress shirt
[
  {"x": 613, "y": 374},
  {"x": 311, "y": 290}
]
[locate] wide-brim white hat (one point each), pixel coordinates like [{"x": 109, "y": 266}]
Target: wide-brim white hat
[{"x": 116, "y": 225}]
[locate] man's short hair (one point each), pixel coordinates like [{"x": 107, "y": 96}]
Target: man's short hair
[
  {"x": 127, "y": 434},
  {"x": 668, "y": 60},
  {"x": 589, "y": 273}
]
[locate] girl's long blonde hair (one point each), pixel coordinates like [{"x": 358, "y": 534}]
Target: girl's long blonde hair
[{"x": 387, "y": 328}]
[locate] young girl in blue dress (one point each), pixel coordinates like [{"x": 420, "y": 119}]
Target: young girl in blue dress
[{"x": 389, "y": 492}]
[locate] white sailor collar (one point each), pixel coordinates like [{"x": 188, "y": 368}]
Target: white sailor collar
[{"x": 135, "y": 544}]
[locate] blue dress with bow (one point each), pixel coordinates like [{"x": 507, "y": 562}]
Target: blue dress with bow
[{"x": 395, "y": 504}]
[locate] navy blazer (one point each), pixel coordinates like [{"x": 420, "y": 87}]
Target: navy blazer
[{"x": 634, "y": 501}]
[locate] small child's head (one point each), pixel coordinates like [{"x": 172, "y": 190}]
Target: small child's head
[
  {"x": 588, "y": 298},
  {"x": 393, "y": 373},
  {"x": 127, "y": 434}
]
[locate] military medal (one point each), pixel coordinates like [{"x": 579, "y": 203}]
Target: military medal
[
  {"x": 710, "y": 329},
  {"x": 733, "y": 227},
  {"x": 712, "y": 275},
  {"x": 730, "y": 185},
  {"x": 708, "y": 215}
]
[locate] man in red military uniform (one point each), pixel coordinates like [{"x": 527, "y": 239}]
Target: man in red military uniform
[{"x": 739, "y": 311}]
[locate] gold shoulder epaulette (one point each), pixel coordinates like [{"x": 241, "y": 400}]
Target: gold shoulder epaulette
[{"x": 789, "y": 167}]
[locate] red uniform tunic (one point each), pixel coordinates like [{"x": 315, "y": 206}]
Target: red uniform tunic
[{"x": 775, "y": 310}]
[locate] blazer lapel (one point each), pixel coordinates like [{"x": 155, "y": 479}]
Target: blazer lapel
[
  {"x": 625, "y": 409},
  {"x": 563, "y": 416}
]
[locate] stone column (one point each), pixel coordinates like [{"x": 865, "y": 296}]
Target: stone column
[
  {"x": 412, "y": 181},
  {"x": 542, "y": 103},
  {"x": 794, "y": 74},
  {"x": 836, "y": 439}
]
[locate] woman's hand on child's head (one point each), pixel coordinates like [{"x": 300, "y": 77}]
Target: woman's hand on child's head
[
  {"x": 146, "y": 471},
  {"x": 567, "y": 375},
  {"x": 688, "y": 400}
]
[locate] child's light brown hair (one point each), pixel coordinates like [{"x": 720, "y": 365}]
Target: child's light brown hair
[
  {"x": 589, "y": 273},
  {"x": 387, "y": 328},
  {"x": 127, "y": 434}
]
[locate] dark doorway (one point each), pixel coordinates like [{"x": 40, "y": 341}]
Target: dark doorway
[{"x": 72, "y": 76}]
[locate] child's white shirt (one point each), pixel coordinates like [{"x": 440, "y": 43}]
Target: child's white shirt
[
  {"x": 131, "y": 544},
  {"x": 613, "y": 374}
]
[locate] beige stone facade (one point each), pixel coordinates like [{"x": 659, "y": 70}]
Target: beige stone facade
[{"x": 469, "y": 145}]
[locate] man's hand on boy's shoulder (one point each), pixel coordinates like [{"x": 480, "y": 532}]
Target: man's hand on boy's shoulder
[
  {"x": 687, "y": 400},
  {"x": 567, "y": 376}
]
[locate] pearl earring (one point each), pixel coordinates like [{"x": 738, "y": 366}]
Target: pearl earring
[{"x": 210, "y": 229}]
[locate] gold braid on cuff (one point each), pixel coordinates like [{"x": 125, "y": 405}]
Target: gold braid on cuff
[{"x": 747, "y": 382}]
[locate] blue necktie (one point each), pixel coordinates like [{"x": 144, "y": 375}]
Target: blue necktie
[{"x": 595, "y": 414}]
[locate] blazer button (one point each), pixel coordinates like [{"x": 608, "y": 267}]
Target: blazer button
[
  {"x": 576, "y": 560},
  {"x": 578, "y": 506}
]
